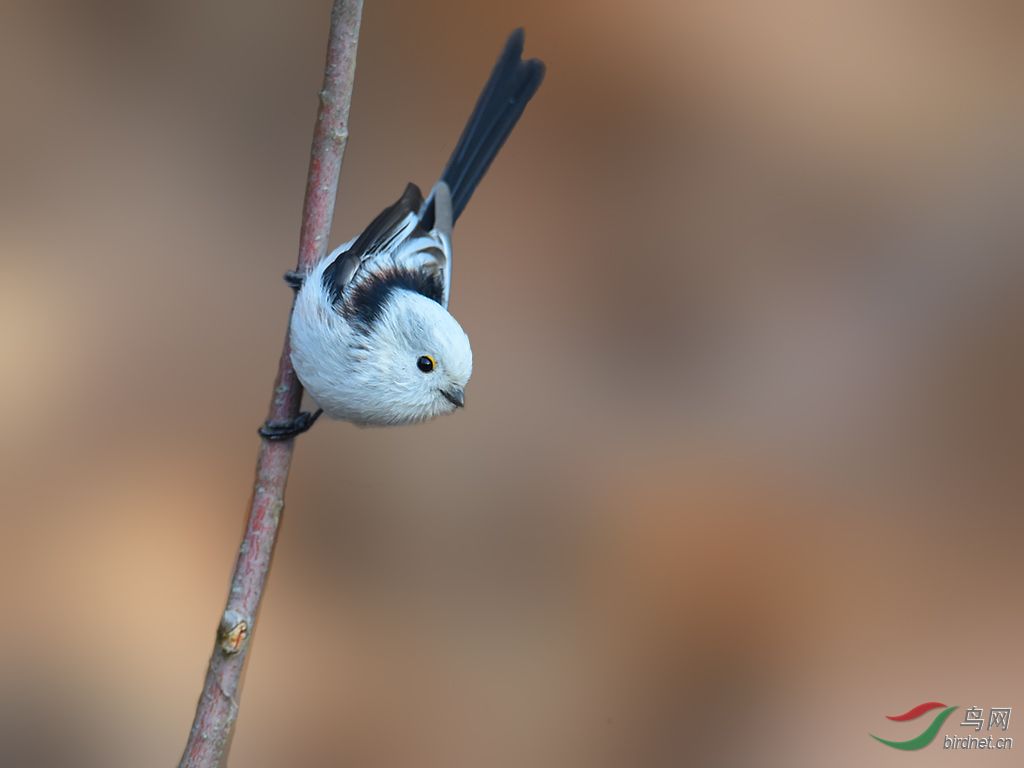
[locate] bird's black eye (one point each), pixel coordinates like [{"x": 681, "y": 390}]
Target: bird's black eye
[{"x": 425, "y": 363}]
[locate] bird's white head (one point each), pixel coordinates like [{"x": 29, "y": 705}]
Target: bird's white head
[{"x": 415, "y": 361}]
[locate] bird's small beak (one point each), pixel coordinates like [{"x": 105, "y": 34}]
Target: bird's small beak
[{"x": 455, "y": 395}]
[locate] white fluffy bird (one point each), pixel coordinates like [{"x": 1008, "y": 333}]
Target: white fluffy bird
[{"x": 372, "y": 340}]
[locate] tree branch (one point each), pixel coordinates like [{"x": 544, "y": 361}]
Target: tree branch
[{"x": 217, "y": 710}]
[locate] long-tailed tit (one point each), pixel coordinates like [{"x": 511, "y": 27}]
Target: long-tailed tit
[{"x": 372, "y": 341}]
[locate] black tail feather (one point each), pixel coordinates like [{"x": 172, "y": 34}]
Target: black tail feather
[{"x": 510, "y": 87}]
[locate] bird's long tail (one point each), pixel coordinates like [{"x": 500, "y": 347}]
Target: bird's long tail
[{"x": 511, "y": 85}]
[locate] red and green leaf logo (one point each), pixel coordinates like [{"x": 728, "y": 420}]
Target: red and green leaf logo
[{"x": 926, "y": 736}]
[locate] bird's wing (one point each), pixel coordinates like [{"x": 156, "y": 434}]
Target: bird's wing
[
  {"x": 431, "y": 251},
  {"x": 391, "y": 227},
  {"x": 427, "y": 250},
  {"x": 396, "y": 241}
]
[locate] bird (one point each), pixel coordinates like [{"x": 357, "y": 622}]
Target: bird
[{"x": 372, "y": 340}]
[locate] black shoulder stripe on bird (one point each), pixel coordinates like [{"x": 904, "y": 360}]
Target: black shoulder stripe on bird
[
  {"x": 512, "y": 84},
  {"x": 383, "y": 233},
  {"x": 366, "y": 301}
]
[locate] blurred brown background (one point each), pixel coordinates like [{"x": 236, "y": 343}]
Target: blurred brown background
[{"x": 740, "y": 468}]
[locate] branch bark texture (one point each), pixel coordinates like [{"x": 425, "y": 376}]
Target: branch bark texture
[{"x": 217, "y": 710}]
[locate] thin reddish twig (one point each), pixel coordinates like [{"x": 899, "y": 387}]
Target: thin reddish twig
[{"x": 217, "y": 710}]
